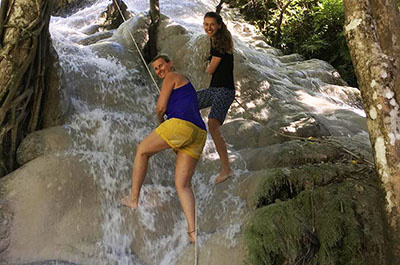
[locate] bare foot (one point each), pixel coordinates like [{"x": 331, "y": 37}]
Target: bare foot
[
  {"x": 192, "y": 236},
  {"x": 223, "y": 176},
  {"x": 128, "y": 202}
]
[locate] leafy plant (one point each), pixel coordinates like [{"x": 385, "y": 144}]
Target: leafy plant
[{"x": 313, "y": 28}]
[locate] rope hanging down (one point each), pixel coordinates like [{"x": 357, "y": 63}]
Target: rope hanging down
[
  {"x": 137, "y": 47},
  {"x": 248, "y": 113},
  {"x": 155, "y": 83}
]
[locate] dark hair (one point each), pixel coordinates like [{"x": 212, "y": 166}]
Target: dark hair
[
  {"x": 161, "y": 56},
  {"x": 222, "y": 40}
]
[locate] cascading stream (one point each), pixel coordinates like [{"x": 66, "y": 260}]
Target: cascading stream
[{"x": 113, "y": 102}]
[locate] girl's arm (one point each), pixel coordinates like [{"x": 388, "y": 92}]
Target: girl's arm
[
  {"x": 166, "y": 90},
  {"x": 213, "y": 65}
]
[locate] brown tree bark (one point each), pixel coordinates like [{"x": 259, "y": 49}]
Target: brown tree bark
[
  {"x": 150, "y": 49},
  {"x": 388, "y": 31},
  {"x": 24, "y": 44},
  {"x": 219, "y": 6},
  {"x": 372, "y": 32},
  {"x": 282, "y": 9},
  {"x": 155, "y": 21}
]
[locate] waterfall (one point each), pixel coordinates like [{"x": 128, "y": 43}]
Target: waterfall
[{"x": 113, "y": 102}]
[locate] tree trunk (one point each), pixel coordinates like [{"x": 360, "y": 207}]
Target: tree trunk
[
  {"x": 388, "y": 32},
  {"x": 372, "y": 32},
  {"x": 150, "y": 49},
  {"x": 219, "y": 6},
  {"x": 23, "y": 47},
  {"x": 282, "y": 10}
]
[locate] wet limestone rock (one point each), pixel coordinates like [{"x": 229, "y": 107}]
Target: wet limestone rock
[
  {"x": 48, "y": 141},
  {"x": 327, "y": 214},
  {"x": 52, "y": 212},
  {"x": 216, "y": 250},
  {"x": 66, "y": 7},
  {"x": 152, "y": 221},
  {"x": 6, "y": 218},
  {"x": 112, "y": 17},
  {"x": 56, "y": 105},
  {"x": 292, "y": 153},
  {"x": 234, "y": 130}
]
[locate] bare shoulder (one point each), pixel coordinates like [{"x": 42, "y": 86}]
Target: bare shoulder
[{"x": 176, "y": 78}]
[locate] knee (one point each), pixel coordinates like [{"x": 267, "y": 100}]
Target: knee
[
  {"x": 183, "y": 183},
  {"x": 181, "y": 186},
  {"x": 142, "y": 151}
]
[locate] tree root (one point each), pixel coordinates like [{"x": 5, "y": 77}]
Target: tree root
[{"x": 22, "y": 97}]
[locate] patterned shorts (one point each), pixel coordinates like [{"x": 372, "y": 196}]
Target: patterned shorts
[{"x": 219, "y": 99}]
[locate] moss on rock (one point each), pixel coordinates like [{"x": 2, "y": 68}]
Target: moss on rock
[
  {"x": 325, "y": 214},
  {"x": 293, "y": 153}
]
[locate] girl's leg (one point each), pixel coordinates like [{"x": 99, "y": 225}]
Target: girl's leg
[
  {"x": 152, "y": 144},
  {"x": 184, "y": 170},
  {"x": 220, "y": 145}
]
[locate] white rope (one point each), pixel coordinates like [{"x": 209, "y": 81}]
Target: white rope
[
  {"x": 195, "y": 227},
  {"x": 154, "y": 81},
  {"x": 137, "y": 47}
]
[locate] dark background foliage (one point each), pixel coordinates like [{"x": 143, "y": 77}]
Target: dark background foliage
[{"x": 312, "y": 28}]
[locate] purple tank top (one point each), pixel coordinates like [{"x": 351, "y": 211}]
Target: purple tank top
[{"x": 183, "y": 104}]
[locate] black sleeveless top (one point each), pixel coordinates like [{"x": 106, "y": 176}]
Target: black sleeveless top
[{"x": 223, "y": 75}]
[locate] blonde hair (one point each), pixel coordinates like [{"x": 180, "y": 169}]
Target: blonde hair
[{"x": 162, "y": 56}]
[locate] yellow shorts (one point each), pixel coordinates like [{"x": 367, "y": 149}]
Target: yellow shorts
[{"x": 183, "y": 136}]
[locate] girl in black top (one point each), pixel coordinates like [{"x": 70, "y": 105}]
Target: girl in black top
[{"x": 221, "y": 92}]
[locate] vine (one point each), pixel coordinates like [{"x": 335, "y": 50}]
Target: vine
[{"x": 23, "y": 59}]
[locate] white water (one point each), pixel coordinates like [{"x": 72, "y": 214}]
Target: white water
[{"x": 113, "y": 102}]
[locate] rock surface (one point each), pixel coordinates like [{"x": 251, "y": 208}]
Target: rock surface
[
  {"x": 303, "y": 190},
  {"x": 48, "y": 204},
  {"x": 67, "y": 7}
]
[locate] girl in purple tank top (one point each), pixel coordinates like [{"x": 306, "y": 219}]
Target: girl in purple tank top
[{"x": 183, "y": 131}]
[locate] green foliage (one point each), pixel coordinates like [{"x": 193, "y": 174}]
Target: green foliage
[{"x": 312, "y": 28}]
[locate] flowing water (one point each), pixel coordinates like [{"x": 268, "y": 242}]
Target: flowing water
[{"x": 112, "y": 101}]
